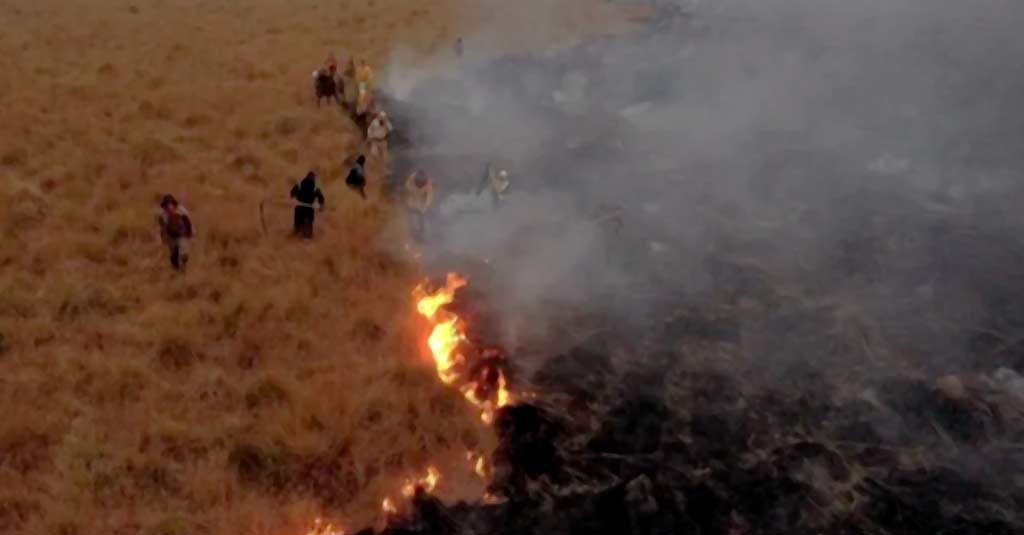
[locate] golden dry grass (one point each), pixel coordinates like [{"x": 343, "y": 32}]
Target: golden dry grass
[
  {"x": 276, "y": 379},
  {"x": 273, "y": 381}
]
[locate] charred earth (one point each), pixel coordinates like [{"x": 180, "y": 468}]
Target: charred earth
[{"x": 851, "y": 366}]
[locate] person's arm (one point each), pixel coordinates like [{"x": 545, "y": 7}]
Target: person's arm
[
  {"x": 320, "y": 198},
  {"x": 188, "y": 225},
  {"x": 295, "y": 192}
]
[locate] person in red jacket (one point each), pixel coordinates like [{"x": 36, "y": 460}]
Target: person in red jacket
[{"x": 175, "y": 230}]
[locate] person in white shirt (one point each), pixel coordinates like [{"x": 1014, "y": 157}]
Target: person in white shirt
[
  {"x": 496, "y": 182},
  {"x": 377, "y": 135}
]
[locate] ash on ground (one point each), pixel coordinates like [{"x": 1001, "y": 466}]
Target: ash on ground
[{"x": 821, "y": 355}]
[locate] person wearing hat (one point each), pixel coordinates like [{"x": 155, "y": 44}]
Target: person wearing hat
[
  {"x": 419, "y": 195},
  {"x": 306, "y": 194},
  {"x": 175, "y": 230},
  {"x": 497, "y": 182},
  {"x": 377, "y": 134}
]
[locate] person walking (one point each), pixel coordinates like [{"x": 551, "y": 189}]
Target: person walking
[
  {"x": 356, "y": 178},
  {"x": 175, "y": 230},
  {"x": 307, "y": 196}
]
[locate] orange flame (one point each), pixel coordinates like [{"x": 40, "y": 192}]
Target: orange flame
[
  {"x": 443, "y": 342},
  {"x": 492, "y": 499},
  {"x": 427, "y": 483},
  {"x": 320, "y": 528},
  {"x": 429, "y": 304},
  {"x": 481, "y": 467},
  {"x": 446, "y": 335},
  {"x": 504, "y": 398}
]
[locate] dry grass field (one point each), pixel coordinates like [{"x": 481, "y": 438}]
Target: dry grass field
[{"x": 276, "y": 380}]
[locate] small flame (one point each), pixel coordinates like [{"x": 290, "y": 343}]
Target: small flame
[
  {"x": 320, "y": 528},
  {"x": 481, "y": 467},
  {"x": 427, "y": 483},
  {"x": 492, "y": 499},
  {"x": 504, "y": 398},
  {"x": 479, "y": 462},
  {"x": 469, "y": 392},
  {"x": 388, "y": 506}
]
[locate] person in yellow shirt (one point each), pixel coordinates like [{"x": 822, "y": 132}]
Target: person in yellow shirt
[
  {"x": 364, "y": 74},
  {"x": 419, "y": 195},
  {"x": 364, "y": 81}
]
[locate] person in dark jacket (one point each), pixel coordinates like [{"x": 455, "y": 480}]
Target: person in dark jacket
[
  {"x": 356, "y": 178},
  {"x": 175, "y": 230},
  {"x": 306, "y": 194}
]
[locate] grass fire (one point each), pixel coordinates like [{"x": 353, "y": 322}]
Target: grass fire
[{"x": 585, "y": 267}]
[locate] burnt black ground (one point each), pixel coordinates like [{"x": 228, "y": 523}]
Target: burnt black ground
[{"x": 870, "y": 389}]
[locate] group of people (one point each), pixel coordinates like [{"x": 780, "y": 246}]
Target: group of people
[{"x": 352, "y": 89}]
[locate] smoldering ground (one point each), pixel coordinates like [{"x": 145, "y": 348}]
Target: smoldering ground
[{"x": 798, "y": 218}]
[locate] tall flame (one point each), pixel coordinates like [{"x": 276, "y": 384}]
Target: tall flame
[
  {"x": 443, "y": 342},
  {"x": 447, "y": 336}
]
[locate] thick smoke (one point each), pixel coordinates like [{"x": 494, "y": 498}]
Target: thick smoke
[{"x": 863, "y": 156}]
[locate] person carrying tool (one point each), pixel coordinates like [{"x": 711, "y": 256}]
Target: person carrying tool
[
  {"x": 495, "y": 181},
  {"x": 377, "y": 135},
  {"x": 175, "y": 230},
  {"x": 419, "y": 195},
  {"x": 306, "y": 194}
]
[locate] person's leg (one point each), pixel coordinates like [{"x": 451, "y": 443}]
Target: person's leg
[
  {"x": 418, "y": 230},
  {"x": 297, "y": 219},
  {"x": 172, "y": 247},
  {"x": 182, "y": 252}
]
